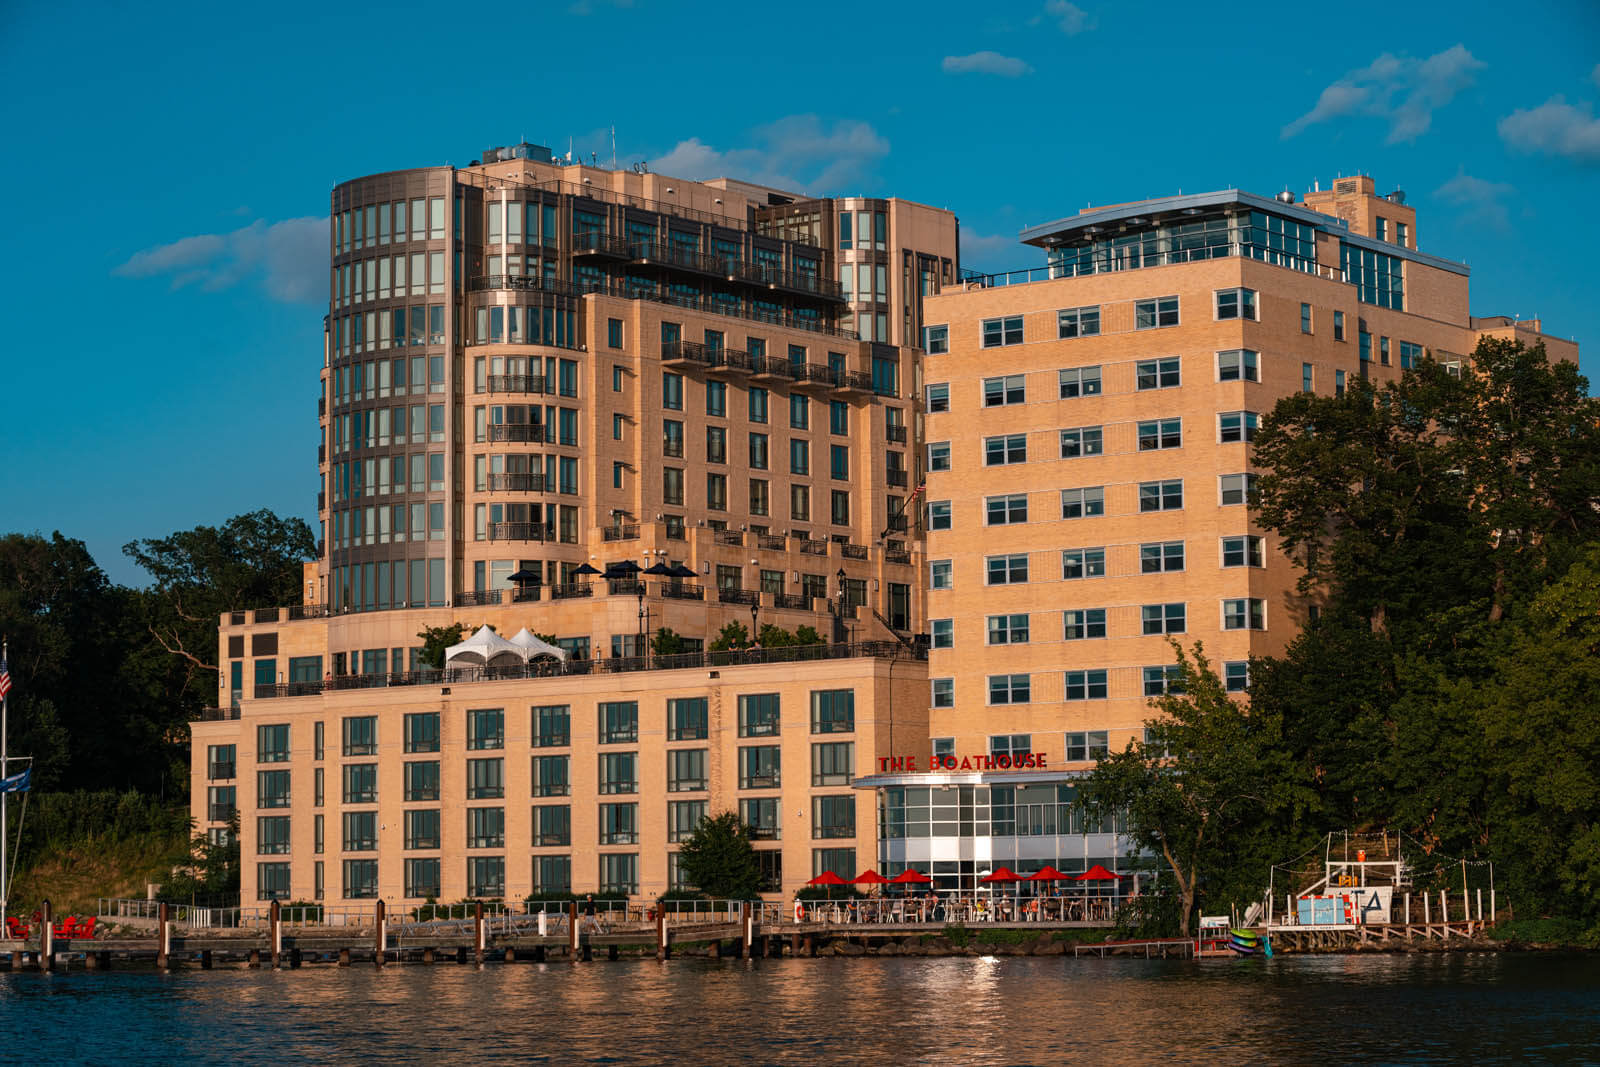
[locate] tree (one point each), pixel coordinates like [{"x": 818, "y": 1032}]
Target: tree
[
  {"x": 210, "y": 869},
  {"x": 807, "y": 635},
  {"x": 435, "y": 639},
  {"x": 731, "y": 637},
  {"x": 666, "y": 642},
  {"x": 1198, "y": 790},
  {"x": 719, "y": 859}
]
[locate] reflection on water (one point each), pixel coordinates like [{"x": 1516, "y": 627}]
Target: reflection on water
[{"x": 1439, "y": 1008}]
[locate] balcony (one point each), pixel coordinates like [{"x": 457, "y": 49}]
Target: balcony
[
  {"x": 217, "y": 714},
  {"x": 897, "y": 524},
  {"x": 895, "y": 435},
  {"x": 792, "y": 601},
  {"x": 266, "y": 615},
  {"x": 739, "y": 596},
  {"x": 897, "y": 478},
  {"x": 766, "y": 369},
  {"x": 853, "y": 383},
  {"x": 307, "y": 611},
  {"x": 598, "y": 243},
  {"x": 675, "y": 591},
  {"x": 525, "y": 594},
  {"x": 730, "y": 363},
  {"x": 517, "y": 431},
  {"x": 677, "y": 533},
  {"x": 728, "y": 537},
  {"x": 571, "y": 591},
  {"x": 516, "y": 482},
  {"x": 626, "y": 531},
  {"x": 479, "y": 598},
  {"x": 624, "y": 587},
  {"x": 813, "y": 376},
  {"x": 515, "y": 383},
  {"x": 897, "y": 555},
  {"x": 322, "y": 454},
  {"x": 849, "y": 551},
  {"x": 772, "y": 542},
  {"x": 810, "y": 547},
  {"x": 521, "y": 531}
]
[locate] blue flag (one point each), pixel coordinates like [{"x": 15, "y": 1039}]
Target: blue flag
[{"x": 17, "y": 783}]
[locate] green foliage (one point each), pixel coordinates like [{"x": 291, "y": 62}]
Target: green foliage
[
  {"x": 58, "y": 820},
  {"x": 830, "y": 892},
  {"x": 718, "y": 858},
  {"x": 666, "y": 642},
  {"x": 209, "y": 873},
  {"x": 957, "y": 934},
  {"x": 807, "y": 635},
  {"x": 732, "y": 636},
  {"x": 1565, "y": 933},
  {"x": 435, "y": 639},
  {"x": 770, "y": 636}
]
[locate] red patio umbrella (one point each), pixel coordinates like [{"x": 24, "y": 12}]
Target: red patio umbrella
[
  {"x": 1049, "y": 874},
  {"x": 1097, "y": 873},
  {"x": 827, "y": 878},
  {"x": 869, "y": 877},
  {"x": 911, "y": 877},
  {"x": 1004, "y": 874}
]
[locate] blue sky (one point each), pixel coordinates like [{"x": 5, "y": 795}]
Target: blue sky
[{"x": 169, "y": 169}]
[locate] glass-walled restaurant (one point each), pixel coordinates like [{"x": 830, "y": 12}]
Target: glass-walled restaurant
[{"x": 957, "y": 828}]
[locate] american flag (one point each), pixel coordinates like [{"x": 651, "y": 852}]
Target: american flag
[{"x": 5, "y": 679}]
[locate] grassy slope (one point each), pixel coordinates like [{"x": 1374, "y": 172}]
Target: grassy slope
[{"x": 74, "y": 876}]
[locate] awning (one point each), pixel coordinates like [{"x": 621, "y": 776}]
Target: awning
[
  {"x": 1004, "y": 874},
  {"x": 1097, "y": 873},
  {"x": 869, "y": 877},
  {"x": 911, "y": 877},
  {"x": 1050, "y": 874},
  {"x": 827, "y": 878},
  {"x": 484, "y": 649},
  {"x": 533, "y": 647}
]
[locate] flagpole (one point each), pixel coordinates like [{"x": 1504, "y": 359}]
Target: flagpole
[{"x": 5, "y": 772}]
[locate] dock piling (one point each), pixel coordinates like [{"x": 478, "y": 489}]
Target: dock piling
[
  {"x": 477, "y": 933},
  {"x": 661, "y": 933},
  {"x": 381, "y": 935},
  {"x": 275, "y": 931},
  {"x": 572, "y": 931},
  {"x": 47, "y": 938},
  {"x": 163, "y": 935}
]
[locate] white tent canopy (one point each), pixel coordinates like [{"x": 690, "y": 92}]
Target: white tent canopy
[
  {"x": 533, "y": 647},
  {"x": 484, "y": 649}
]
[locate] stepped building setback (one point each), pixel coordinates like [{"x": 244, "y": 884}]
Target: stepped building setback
[{"x": 536, "y": 372}]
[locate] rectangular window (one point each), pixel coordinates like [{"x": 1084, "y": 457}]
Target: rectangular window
[
  {"x": 763, "y": 817},
  {"x": 999, "y": 451},
  {"x": 551, "y": 726},
  {"x": 1007, "y": 510},
  {"x": 422, "y": 828},
  {"x": 1235, "y": 426},
  {"x": 939, "y": 574},
  {"x": 486, "y": 779},
  {"x": 552, "y": 874},
  {"x": 939, "y": 456},
  {"x": 360, "y": 783},
  {"x": 1236, "y": 488},
  {"x": 619, "y": 722},
  {"x": 716, "y": 444},
  {"x": 1305, "y": 318},
  {"x": 833, "y": 817},
  {"x": 361, "y": 735},
  {"x": 672, "y": 391},
  {"x": 758, "y": 715},
  {"x": 1338, "y": 326},
  {"x": 760, "y": 767},
  {"x": 1012, "y": 745},
  {"x": 1161, "y": 556},
  {"x": 1000, "y": 392},
  {"x": 799, "y": 411},
  {"x": 1158, "y": 373},
  {"x": 1236, "y": 304},
  {"x": 1000, "y": 332},
  {"x": 360, "y": 831},
  {"x": 799, "y": 456},
  {"x": 938, "y": 397},
  {"x": 619, "y": 873},
  {"x": 1008, "y": 629},
  {"x": 1010, "y": 688},
  {"x": 1236, "y": 676},
  {"x": 1307, "y": 377},
  {"x": 486, "y": 729},
  {"x": 687, "y": 719},
  {"x": 1086, "y": 685},
  {"x": 1244, "y": 614},
  {"x": 360, "y": 879},
  {"x": 422, "y": 878},
  {"x": 833, "y": 763},
  {"x": 757, "y": 403},
  {"x": 1079, "y": 381},
  {"x": 272, "y": 743},
  {"x": 717, "y": 399},
  {"x": 1078, "y": 322},
  {"x": 1160, "y": 433},
  {"x": 1082, "y": 441},
  {"x": 1159, "y": 681},
  {"x": 1083, "y": 503},
  {"x": 1082, "y": 624},
  {"x": 486, "y": 828},
  {"x": 1239, "y": 365},
  {"x": 1410, "y": 356},
  {"x": 1083, "y": 563},
  {"x": 486, "y": 876},
  {"x": 1383, "y": 351},
  {"x": 1161, "y": 496},
  {"x": 1007, "y": 570},
  {"x": 551, "y": 776},
  {"x": 1088, "y": 745},
  {"x": 422, "y": 732},
  {"x": 686, "y": 770},
  {"x": 614, "y": 333},
  {"x": 839, "y": 462},
  {"x": 619, "y": 772},
  {"x": 944, "y": 692},
  {"x": 833, "y": 711},
  {"x": 936, "y": 339},
  {"x": 1163, "y": 619},
  {"x": 939, "y": 515},
  {"x": 1338, "y": 383},
  {"x": 1154, "y": 314},
  {"x": 943, "y": 632},
  {"x": 272, "y": 881},
  {"x": 684, "y": 817},
  {"x": 552, "y": 825},
  {"x": 422, "y": 780},
  {"x": 272, "y": 835}
]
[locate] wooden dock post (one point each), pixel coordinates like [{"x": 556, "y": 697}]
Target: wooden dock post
[
  {"x": 205, "y": 959},
  {"x": 427, "y": 955},
  {"x": 344, "y": 957},
  {"x": 1408, "y": 912},
  {"x": 275, "y": 931},
  {"x": 47, "y": 937},
  {"x": 662, "y": 952},
  {"x": 253, "y": 959},
  {"x": 1427, "y": 909},
  {"x": 477, "y": 932},
  {"x": 1444, "y": 906},
  {"x": 163, "y": 936},
  {"x": 747, "y": 916},
  {"x": 572, "y": 931},
  {"x": 1480, "y": 904},
  {"x": 380, "y": 936}
]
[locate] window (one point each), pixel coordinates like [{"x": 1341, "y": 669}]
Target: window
[
  {"x": 551, "y": 777},
  {"x": 1161, "y": 556},
  {"x": 761, "y": 814},
  {"x": 939, "y": 574},
  {"x": 832, "y": 859},
  {"x": 1085, "y": 685},
  {"x": 938, "y": 514},
  {"x": 1364, "y": 345},
  {"x": 1080, "y": 624},
  {"x": 1236, "y": 676},
  {"x": 360, "y": 831},
  {"x": 552, "y": 726},
  {"x": 833, "y": 763},
  {"x": 272, "y": 881},
  {"x": 220, "y": 762},
  {"x": 1383, "y": 351},
  {"x": 1000, "y": 332},
  {"x": 361, "y": 735},
  {"x": 943, "y": 632},
  {"x": 944, "y": 692},
  {"x": 1160, "y": 433},
  {"x": 687, "y": 719},
  {"x": 614, "y": 333},
  {"x": 619, "y": 824},
  {"x": 1307, "y": 377},
  {"x": 1010, "y": 745},
  {"x": 833, "y": 711},
  {"x": 684, "y": 817},
  {"x": 422, "y": 828},
  {"x": 838, "y": 417},
  {"x": 1246, "y": 613},
  {"x": 833, "y": 817},
  {"x": 1083, "y": 563},
  {"x": 1008, "y": 629},
  {"x": 939, "y": 397},
  {"x": 936, "y": 339},
  {"x": 1089, "y": 745},
  {"x": 486, "y": 827},
  {"x": 672, "y": 391},
  {"x": 1338, "y": 326},
  {"x": 1009, "y": 688},
  {"x": 1163, "y": 619},
  {"x": 422, "y": 878},
  {"x": 619, "y": 722},
  {"x": 1236, "y": 304},
  {"x": 760, "y": 766},
  {"x": 1078, "y": 322},
  {"x": 552, "y": 825},
  {"x": 422, "y": 780},
  {"x": 486, "y": 729},
  {"x": 839, "y": 462},
  {"x": 999, "y": 392},
  {"x": 1154, "y": 314},
  {"x": 939, "y": 456},
  {"x": 799, "y": 456},
  {"x": 1305, "y": 318},
  {"x": 1338, "y": 383},
  {"x": 717, "y": 399},
  {"x": 272, "y": 744},
  {"x": 1158, "y": 373},
  {"x": 1410, "y": 354},
  {"x": 1159, "y": 681},
  {"x": 1236, "y": 488},
  {"x": 486, "y": 779},
  {"x": 758, "y": 451},
  {"x": 1237, "y": 426},
  {"x": 799, "y": 412},
  {"x": 619, "y": 772},
  {"x": 422, "y": 732},
  {"x": 686, "y": 770},
  {"x": 1383, "y": 227},
  {"x": 1161, "y": 496},
  {"x": 1079, "y": 381},
  {"x": 758, "y": 402},
  {"x": 1082, "y": 441},
  {"x": 552, "y": 874},
  {"x": 360, "y": 879},
  {"x": 716, "y": 444},
  {"x": 1239, "y": 365},
  {"x": 758, "y": 715},
  {"x": 1007, "y": 570},
  {"x": 361, "y": 783},
  {"x": 999, "y": 451},
  {"x": 1083, "y": 503},
  {"x": 272, "y": 835},
  {"x": 1006, "y": 510}
]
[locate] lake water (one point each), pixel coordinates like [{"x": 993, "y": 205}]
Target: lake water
[{"x": 1478, "y": 1008}]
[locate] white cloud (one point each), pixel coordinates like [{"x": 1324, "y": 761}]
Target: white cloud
[
  {"x": 1554, "y": 128},
  {"x": 1072, "y": 19},
  {"x": 1401, "y": 90},
  {"x": 990, "y": 252},
  {"x": 288, "y": 257},
  {"x": 986, "y": 63},
  {"x": 799, "y": 152},
  {"x": 1481, "y": 201}
]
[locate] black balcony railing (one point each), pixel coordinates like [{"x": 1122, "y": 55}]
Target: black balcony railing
[
  {"x": 479, "y": 598},
  {"x": 570, "y": 591},
  {"x": 521, "y": 531},
  {"x": 627, "y": 531},
  {"x": 738, "y": 596},
  {"x": 525, "y": 594},
  {"x": 516, "y": 383},
  {"x": 217, "y": 772},
  {"x": 266, "y": 614},
  {"x": 729, "y": 537},
  {"x": 624, "y": 587},
  {"x": 809, "y": 547},
  {"x": 675, "y": 591},
  {"x": 897, "y": 524},
  {"x": 814, "y": 374},
  {"x": 792, "y": 601},
  {"x": 897, "y": 555},
  {"x": 895, "y": 435},
  {"x": 517, "y": 431},
  {"x": 849, "y": 551},
  {"x": 767, "y": 367},
  {"x": 307, "y": 611},
  {"x": 516, "y": 482},
  {"x": 772, "y": 542},
  {"x": 853, "y": 382},
  {"x": 897, "y": 477}
]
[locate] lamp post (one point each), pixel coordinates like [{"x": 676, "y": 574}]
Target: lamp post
[
  {"x": 755, "y": 609},
  {"x": 838, "y": 608}
]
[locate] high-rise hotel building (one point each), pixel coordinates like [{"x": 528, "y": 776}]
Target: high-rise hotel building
[{"x": 534, "y": 372}]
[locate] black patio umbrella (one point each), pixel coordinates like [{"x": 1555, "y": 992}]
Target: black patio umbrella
[
  {"x": 586, "y": 571},
  {"x": 623, "y": 568},
  {"x": 526, "y": 574},
  {"x": 680, "y": 571},
  {"x": 660, "y": 570}
]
